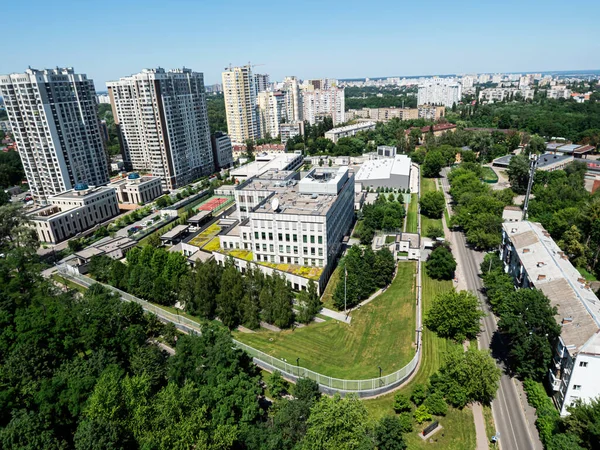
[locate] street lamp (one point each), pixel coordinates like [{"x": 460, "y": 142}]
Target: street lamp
[
  {"x": 298, "y": 365},
  {"x": 379, "y": 371}
]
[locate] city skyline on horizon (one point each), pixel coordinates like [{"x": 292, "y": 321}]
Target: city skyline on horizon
[{"x": 322, "y": 41}]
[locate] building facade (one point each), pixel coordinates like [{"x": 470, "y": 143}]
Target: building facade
[
  {"x": 297, "y": 224},
  {"x": 440, "y": 91},
  {"x": 136, "y": 189},
  {"x": 349, "y": 130},
  {"x": 319, "y": 103},
  {"x": 222, "y": 150},
  {"x": 163, "y": 124},
  {"x": 261, "y": 82},
  {"x": 293, "y": 100},
  {"x": 534, "y": 260},
  {"x": 290, "y": 130},
  {"x": 54, "y": 119},
  {"x": 240, "y": 104},
  {"x": 271, "y": 112},
  {"x": 73, "y": 211}
]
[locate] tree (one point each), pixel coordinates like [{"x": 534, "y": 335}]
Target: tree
[
  {"x": 419, "y": 394},
  {"x": 401, "y": 403},
  {"x": 388, "y": 434},
  {"x": 518, "y": 173},
  {"x": 230, "y": 297},
  {"x": 536, "y": 144},
  {"x": 440, "y": 264},
  {"x": 572, "y": 245},
  {"x": 277, "y": 384},
  {"x": 454, "y": 315},
  {"x": 433, "y": 204},
  {"x": 384, "y": 267},
  {"x": 436, "y": 404},
  {"x": 307, "y": 390},
  {"x": 434, "y": 161},
  {"x": 434, "y": 232},
  {"x": 336, "y": 423}
]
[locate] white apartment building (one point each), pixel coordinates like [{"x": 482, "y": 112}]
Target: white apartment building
[
  {"x": 534, "y": 260},
  {"x": 240, "y": 104},
  {"x": 163, "y": 123},
  {"x": 293, "y": 99},
  {"x": 271, "y": 112},
  {"x": 73, "y": 211},
  {"x": 53, "y": 114},
  {"x": 349, "y": 130},
  {"x": 289, "y": 130},
  {"x": 103, "y": 98},
  {"x": 319, "y": 103},
  {"x": 222, "y": 150},
  {"x": 136, "y": 189},
  {"x": 296, "y": 224},
  {"x": 467, "y": 81},
  {"x": 440, "y": 91}
]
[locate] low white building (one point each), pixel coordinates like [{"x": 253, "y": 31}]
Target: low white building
[
  {"x": 74, "y": 211},
  {"x": 385, "y": 172},
  {"x": 265, "y": 162},
  {"x": 136, "y": 189},
  {"x": 349, "y": 130},
  {"x": 534, "y": 260}
]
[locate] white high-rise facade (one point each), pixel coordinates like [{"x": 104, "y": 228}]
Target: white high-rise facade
[
  {"x": 319, "y": 103},
  {"x": 240, "y": 104},
  {"x": 440, "y": 91},
  {"x": 271, "y": 111},
  {"x": 163, "y": 123},
  {"x": 293, "y": 99},
  {"x": 54, "y": 117}
]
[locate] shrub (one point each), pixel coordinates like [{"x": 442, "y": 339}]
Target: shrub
[
  {"x": 419, "y": 394},
  {"x": 547, "y": 415},
  {"x": 401, "y": 403},
  {"x": 406, "y": 422},
  {"x": 436, "y": 404},
  {"x": 422, "y": 414}
]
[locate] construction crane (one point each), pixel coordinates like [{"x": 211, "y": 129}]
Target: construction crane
[{"x": 249, "y": 64}]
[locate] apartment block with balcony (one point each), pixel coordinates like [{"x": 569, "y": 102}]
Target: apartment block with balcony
[
  {"x": 53, "y": 115},
  {"x": 534, "y": 260},
  {"x": 319, "y": 103},
  {"x": 239, "y": 89},
  {"x": 163, "y": 124}
]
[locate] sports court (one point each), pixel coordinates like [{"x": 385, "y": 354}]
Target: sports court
[{"x": 214, "y": 204}]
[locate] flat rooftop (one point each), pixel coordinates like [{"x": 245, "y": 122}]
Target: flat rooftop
[
  {"x": 547, "y": 159},
  {"x": 175, "y": 232},
  {"x": 384, "y": 168},
  {"x": 551, "y": 272},
  {"x": 291, "y": 201},
  {"x": 356, "y": 126},
  {"x": 266, "y": 162}
]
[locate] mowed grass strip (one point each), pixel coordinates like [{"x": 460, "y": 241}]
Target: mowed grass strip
[
  {"x": 327, "y": 298},
  {"x": 459, "y": 429},
  {"x": 428, "y": 185},
  {"x": 381, "y": 334},
  {"x": 412, "y": 218}
]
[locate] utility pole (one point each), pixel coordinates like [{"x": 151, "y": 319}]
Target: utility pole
[{"x": 533, "y": 159}]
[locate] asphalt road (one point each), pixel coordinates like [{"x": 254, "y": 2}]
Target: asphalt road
[{"x": 509, "y": 417}]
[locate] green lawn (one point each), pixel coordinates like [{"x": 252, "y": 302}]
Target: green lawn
[
  {"x": 489, "y": 176},
  {"x": 459, "y": 429},
  {"x": 381, "y": 334},
  {"x": 389, "y": 239},
  {"x": 327, "y": 297},
  {"x": 68, "y": 283},
  {"x": 412, "y": 214},
  {"x": 587, "y": 275},
  {"x": 428, "y": 185}
]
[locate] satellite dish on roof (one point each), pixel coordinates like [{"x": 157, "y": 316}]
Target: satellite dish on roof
[{"x": 275, "y": 204}]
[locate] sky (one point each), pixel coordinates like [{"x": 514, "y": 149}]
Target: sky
[{"x": 307, "y": 38}]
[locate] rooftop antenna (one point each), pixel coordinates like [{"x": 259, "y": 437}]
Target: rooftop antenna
[{"x": 533, "y": 159}]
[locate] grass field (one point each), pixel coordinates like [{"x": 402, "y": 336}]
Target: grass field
[
  {"x": 68, "y": 283},
  {"x": 428, "y": 185},
  {"x": 459, "y": 430},
  {"x": 587, "y": 275},
  {"x": 381, "y": 334},
  {"x": 412, "y": 214}
]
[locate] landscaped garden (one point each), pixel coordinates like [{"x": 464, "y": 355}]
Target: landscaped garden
[
  {"x": 381, "y": 333},
  {"x": 207, "y": 235},
  {"x": 488, "y": 175}
]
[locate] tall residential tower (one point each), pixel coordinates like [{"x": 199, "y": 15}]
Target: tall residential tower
[
  {"x": 240, "y": 104},
  {"x": 163, "y": 124},
  {"x": 54, "y": 117}
]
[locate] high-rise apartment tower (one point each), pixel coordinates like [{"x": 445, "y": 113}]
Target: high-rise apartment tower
[
  {"x": 54, "y": 117},
  {"x": 163, "y": 124},
  {"x": 240, "y": 104}
]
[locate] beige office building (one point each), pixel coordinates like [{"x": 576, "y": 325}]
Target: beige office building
[
  {"x": 136, "y": 189},
  {"x": 240, "y": 104}
]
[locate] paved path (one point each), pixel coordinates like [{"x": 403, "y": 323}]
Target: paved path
[
  {"x": 515, "y": 431},
  {"x": 336, "y": 315}
]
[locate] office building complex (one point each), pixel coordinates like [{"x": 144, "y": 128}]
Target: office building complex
[
  {"x": 534, "y": 260},
  {"x": 240, "y": 104},
  {"x": 54, "y": 118},
  {"x": 71, "y": 212},
  {"x": 294, "y": 227},
  {"x": 222, "y": 150},
  {"x": 320, "y": 103},
  {"x": 163, "y": 124},
  {"x": 440, "y": 91}
]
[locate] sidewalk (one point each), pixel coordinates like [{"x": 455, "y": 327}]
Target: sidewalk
[{"x": 336, "y": 315}]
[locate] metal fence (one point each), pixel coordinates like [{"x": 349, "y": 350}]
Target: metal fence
[{"x": 330, "y": 384}]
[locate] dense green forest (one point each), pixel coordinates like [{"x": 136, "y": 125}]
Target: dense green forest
[
  {"x": 11, "y": 169},
  {"x": 380, "y": 97},
  {"x": 217, "y": 118}
]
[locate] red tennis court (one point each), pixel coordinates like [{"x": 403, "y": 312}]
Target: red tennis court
[{"x": 212, "y": 204}]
